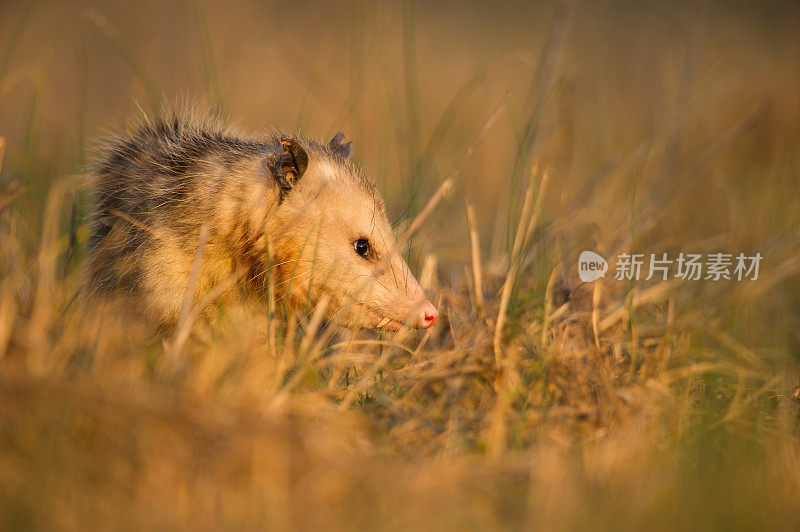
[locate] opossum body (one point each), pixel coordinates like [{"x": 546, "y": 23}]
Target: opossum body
[{"x": 282, "y": 208}]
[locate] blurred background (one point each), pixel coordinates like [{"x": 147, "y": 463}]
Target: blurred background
[
  {"x": 664, "y": 127},
  {"x": 412, "y": 83}
]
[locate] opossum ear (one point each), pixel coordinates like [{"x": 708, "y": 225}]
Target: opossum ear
[
  {"x": 288, "y": 166},
  {"x": 338, "y": 146}
]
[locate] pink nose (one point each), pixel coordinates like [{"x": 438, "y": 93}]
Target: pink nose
[{"x": 427, "y": 316}]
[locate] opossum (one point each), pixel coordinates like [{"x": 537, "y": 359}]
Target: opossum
[{"x": 281, "y": 211}]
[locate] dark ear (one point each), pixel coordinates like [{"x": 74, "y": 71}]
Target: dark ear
[
  {"x": 337, "y": 146},
  {"x": 288, "y": 166}
]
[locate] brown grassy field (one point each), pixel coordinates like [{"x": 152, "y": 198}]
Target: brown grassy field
[{"x": 538, "y": 401}]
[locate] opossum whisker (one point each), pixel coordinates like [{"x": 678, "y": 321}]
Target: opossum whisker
[
  {"x": 368, "y": 276},
  {"x": 260, "y": 274},
  {"x": 333, "y": 318},
  {"x": 265, "y": 272},
  {"x": 287, "y": 293},
  {"x": 299, "y": 275},
  {"x": 292, "y": 260},
  {"x": 391, "y": 262}
]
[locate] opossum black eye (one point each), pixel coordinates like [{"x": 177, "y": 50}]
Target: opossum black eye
[{"x": 362, "y": 247}]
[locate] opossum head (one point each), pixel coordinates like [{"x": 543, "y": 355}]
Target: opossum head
[{"x": 334, "y": 242}]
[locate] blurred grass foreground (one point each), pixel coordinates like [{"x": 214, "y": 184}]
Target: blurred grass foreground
[{"x": 538, "y": 401}]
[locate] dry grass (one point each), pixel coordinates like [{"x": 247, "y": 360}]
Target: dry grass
[{"x": 537, "y": 402}]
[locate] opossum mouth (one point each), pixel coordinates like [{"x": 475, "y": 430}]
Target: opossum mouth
[{"x": 382, "y": 322}]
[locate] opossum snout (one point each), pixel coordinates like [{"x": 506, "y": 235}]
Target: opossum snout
[
  {"x": 426, "y": 316},
  {"x": 422, "y": 313}
]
